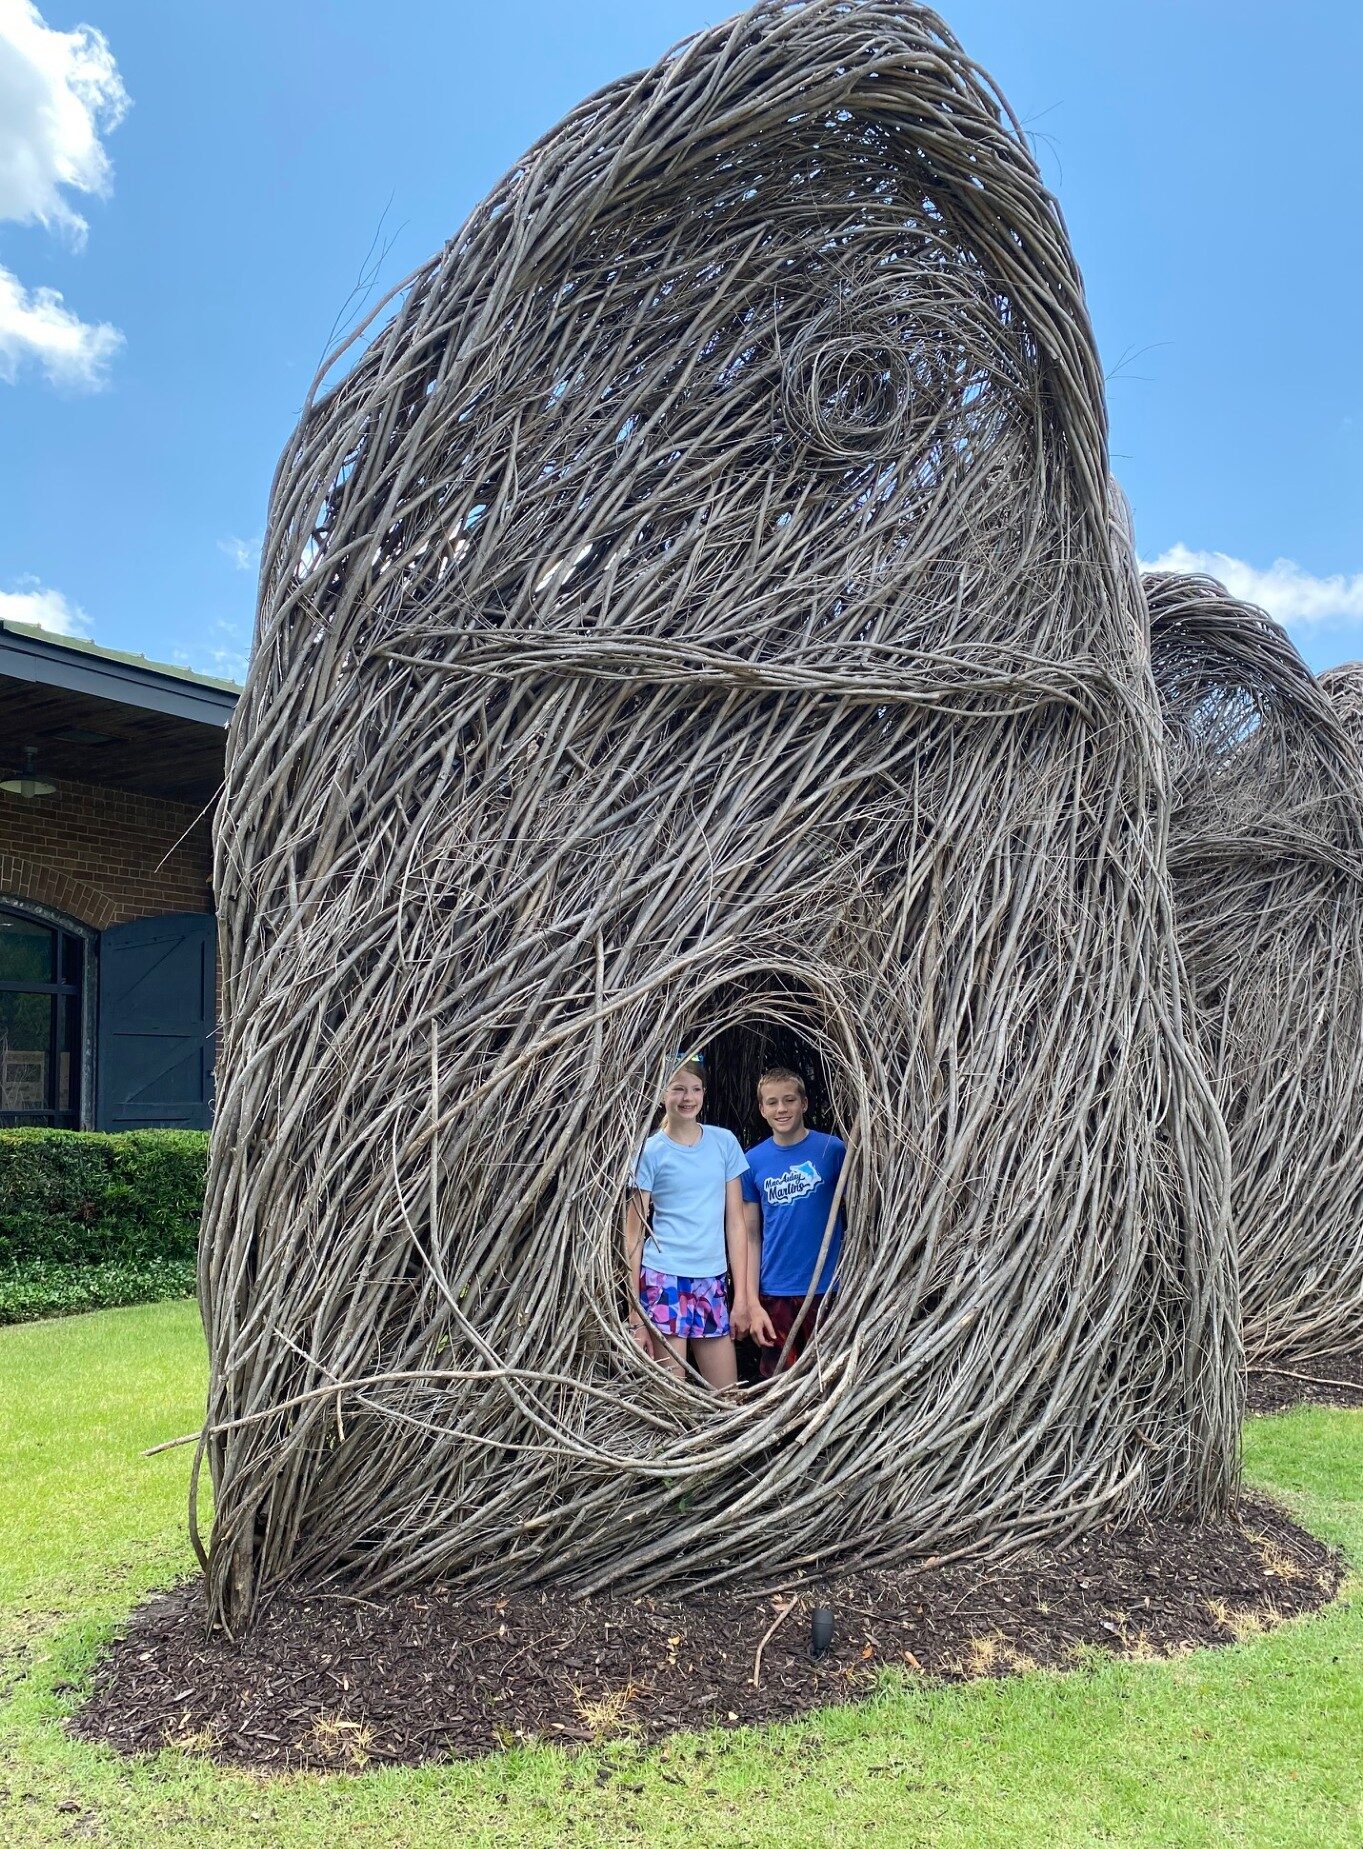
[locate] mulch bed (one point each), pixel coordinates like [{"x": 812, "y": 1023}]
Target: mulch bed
[
  {"x": 329, "y": 1680},
  {"x": 1336, "y": 1382}
]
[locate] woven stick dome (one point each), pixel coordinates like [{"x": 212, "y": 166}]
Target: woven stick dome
[
  {"x": 1266, "y": 849},
  {"x": 694, "y": 621}
]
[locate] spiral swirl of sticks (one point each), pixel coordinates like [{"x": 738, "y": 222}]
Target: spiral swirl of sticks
[
  {"x": 863, "y": 379},
  {"x": 1266, "y": 850},
  {"x": 695, "y": 620}
]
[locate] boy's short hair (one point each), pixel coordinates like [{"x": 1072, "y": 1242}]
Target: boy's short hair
[{"x": 781, "y": 1075}]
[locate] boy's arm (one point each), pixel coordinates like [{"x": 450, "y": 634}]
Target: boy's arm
[
  {"x": 636, "y": 1207},
  {"x": 759, "y": 1323}
]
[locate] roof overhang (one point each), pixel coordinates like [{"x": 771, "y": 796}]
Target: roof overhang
[
  {"x": 97, "y": 717},
  {"x": 27, "y": 654}
]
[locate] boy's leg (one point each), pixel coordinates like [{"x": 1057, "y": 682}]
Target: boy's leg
[{"x": 783, "y": 1311}]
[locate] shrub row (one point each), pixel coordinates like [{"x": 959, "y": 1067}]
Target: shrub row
[
  {"x": 88, "y": 1219},
  {"x": 28, "y": 1292}
]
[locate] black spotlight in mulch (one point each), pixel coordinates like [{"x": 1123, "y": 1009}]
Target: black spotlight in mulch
[{"x": 821, "y": 1632}]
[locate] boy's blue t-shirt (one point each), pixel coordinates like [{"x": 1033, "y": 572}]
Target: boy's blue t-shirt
[
  {"x": 687, "y": 1183},
  {"x": 794, "y": 1187}
]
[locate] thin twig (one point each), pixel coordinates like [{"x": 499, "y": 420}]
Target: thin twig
[
  {"x": 1314, "y": 1380},
  {"x": 767, "y": 1636}
]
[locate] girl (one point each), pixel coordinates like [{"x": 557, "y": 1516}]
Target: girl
[{"x": 685, "y": 1209}]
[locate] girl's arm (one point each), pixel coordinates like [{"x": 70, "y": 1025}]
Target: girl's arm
[
  {"x": 636, "y": 1211},
  {"x": 759, "y": 1323},
  {"x": 736, "y": 1244}
]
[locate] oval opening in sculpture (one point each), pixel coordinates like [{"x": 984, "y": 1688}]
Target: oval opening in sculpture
[{"x": 758, "y": 1022}]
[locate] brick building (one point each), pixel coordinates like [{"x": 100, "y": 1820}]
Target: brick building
[{"x": 109, "y": 767}]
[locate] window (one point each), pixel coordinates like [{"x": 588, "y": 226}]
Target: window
[{"x": 42, "y": 989}]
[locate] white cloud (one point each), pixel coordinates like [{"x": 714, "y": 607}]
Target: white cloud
[
  {"x": 59, "y": 92},
  {"x": 222, "y": 653},
  {"x": 34, "y": 325},
  {"x": 225, "y": 664},
  {"x": 48, "y": 609},
  {"x": 1294, "y": 597},
  {"x": 244, "y": 553}
]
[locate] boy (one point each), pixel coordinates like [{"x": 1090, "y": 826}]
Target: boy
[{"x": 787, "y": 1198}]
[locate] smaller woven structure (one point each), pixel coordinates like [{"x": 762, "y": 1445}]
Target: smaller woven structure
[
  {"x": 1343, "y": 687},
  {"x": 1266, "y": 852}
]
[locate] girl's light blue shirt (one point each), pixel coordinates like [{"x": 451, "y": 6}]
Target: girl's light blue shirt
[{"x": 687, "y": 1186}]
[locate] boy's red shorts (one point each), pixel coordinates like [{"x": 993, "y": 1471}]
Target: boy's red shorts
[{"x": 783, "y": 1311}]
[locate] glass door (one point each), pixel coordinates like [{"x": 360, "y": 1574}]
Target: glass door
[{"x": 42, "y": 978}]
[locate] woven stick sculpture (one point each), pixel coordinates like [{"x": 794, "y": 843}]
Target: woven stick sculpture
[
  {"x": 1266, "y": 850},
  {"x": 1343, "y": 687},
  {"x": 695, "y": 617}
]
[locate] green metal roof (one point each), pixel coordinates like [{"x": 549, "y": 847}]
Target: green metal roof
[{"x": 144, "y": 662}]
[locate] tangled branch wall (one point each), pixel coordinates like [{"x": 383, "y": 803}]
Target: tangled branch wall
[
  {"x": 1266, "y": 850},
  {"x": 696, "y": 612}
]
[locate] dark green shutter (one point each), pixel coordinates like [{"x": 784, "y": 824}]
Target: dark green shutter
[{"x": 157, "y": 1011}]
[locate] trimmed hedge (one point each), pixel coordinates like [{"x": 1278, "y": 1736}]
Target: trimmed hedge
[
  {"x": 28, "y": 1292},
  {"x": 88, "y": 1219}
]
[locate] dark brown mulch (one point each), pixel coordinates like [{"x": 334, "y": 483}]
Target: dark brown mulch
[
  {"x": 1335, "y": 1382},
  {"x": 336, "y": 1681}
]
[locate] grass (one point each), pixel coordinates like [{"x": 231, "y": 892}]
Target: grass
[
  {"x": 1254, "y": 1744},
  {"x": 86, "y": 1521}
]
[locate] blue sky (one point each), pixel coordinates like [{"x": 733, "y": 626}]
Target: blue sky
[{"x": 235, "y": 163}]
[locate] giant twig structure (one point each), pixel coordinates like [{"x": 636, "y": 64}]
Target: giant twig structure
[
  {"x": 1266, "y": 850},
  {"x": 695, "y": 616}
]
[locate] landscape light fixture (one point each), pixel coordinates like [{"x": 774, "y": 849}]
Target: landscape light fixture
[
  {"x": 28, "y": 782},
  {"x": 821, "y": 1630}
]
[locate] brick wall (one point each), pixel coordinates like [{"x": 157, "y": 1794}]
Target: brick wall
[{"x": 104, "y": 856}]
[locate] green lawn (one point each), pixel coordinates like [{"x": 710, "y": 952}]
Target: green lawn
[{"x": 1261, "y": 1744}]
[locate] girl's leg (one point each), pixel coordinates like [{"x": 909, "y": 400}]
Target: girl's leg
[
  {"x": 669, "y": 1351},
  {"x": 659, "y": 1290},
  {"x": 715, "y": 1360}
]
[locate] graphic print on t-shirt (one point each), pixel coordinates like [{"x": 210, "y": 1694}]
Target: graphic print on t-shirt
[{"x": 798, "y": 1181}]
